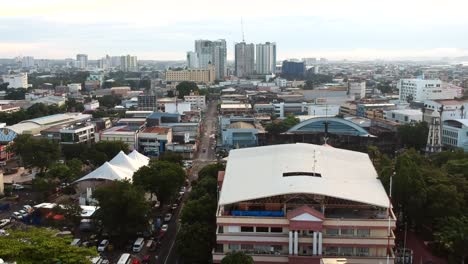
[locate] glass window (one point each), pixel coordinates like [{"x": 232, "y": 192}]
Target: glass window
[
  {"x": 261, "y": 229},
  {"x": 347, "y": 232},
  {"x": 346, "y": 251},
  {"x": 247, "y": 229},
  {"x": 276, "y": 230},
  {"x": 234, "y": 247},
  {"x": 247, "y": 247},
  {"x": 363, "y": 232},
  {"x": 331, "y": 232},
  {"x": 331, "y": 251},
  {"x": 220, "y": 229},
  {"x": 362, "y": 251}
]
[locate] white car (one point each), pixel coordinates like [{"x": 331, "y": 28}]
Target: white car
[
  {"x": 16, "y": 186},
  {"x": 164, "y": 228},
  {"x": 16, "y": 215},
  {"x": 167, "y": 217},
  {"x": 4, "y": 222},
  {"x": 103, "y": 245},
  {"x": 27, "y": 208},
  {"x": 23, "y": 213}
]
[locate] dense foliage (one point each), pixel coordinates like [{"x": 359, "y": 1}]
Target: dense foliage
[
  {"x": 238, "y": 257},
  {"x": 196, "y": 238},
  {"x": 279, "y": 126},
  {"x": 185, "y": 88},
  {"x": 41, "y": 246},
  {"x": 36, "y": 152},
  {"x": 414, "y": 135},
  {"x": 95, "y": 154}
]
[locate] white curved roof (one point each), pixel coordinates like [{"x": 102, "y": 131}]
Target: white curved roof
[
  {"x": 121, "y": 167},
  {"x": 253, "y": 173}
]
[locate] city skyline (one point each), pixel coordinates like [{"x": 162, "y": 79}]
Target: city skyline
[{"x": 355, "y": 30}]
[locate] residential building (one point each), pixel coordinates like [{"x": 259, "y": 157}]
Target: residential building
[
  {"x": 27, "y": 62},
  {"x": 295, "y": 69},
  {"x": 197, "y": 102},
  {"x": 152, "y": 140},
  {"x": 82, "y": 61},
  {"x": 303, "y": 203},
  {"x": 147, "y": 102},
  {"x": 74, "y": 87},
  {"x": 129, "y": 63},
  {"x": 404, "y": 116},
  {"x": 177, "y": 108},
  {"x": 265, "y": 58},
  {"x": 421, "y": 90},
  {"x": 455, "y": 133},
  {"x": 244, "y": 59},
  {"x": 19, "y": 80},
  {"x": 91, "y": 106},
  {"x": 207, "y": 75},
  {"x": 192, "y": 60},
  {"x": 357, "y": 88},
  {"x": 212, "y": 52}
]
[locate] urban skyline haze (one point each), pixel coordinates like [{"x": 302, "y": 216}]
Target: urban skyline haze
[{"x": 164, "y": 30}]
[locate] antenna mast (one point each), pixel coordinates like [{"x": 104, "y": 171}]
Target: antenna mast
[{"x": 242, "y": 29}]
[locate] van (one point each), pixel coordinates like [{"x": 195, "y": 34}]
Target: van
[
  {"x": 138, "y": 245},
  {"x": 124, "y": 259}
]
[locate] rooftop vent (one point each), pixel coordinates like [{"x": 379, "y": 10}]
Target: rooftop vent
[{"x": 301, "y": 173}]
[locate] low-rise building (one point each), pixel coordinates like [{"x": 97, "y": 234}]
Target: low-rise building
[
  {"x": 197, "y": 102},
  {"x": 455, "y": 133},
  {"x": 91, "y": 106},
  {"x": 303, "y": 203},
  {"x": 152, "y": 140},
  {"x": 235, "y": 109},
  {"x": 16, "y": 81},
  {"x": 77, "y": 134},
  {"x": 192, "y": 75},
  {"x": 74, "y": 87},
  {"x": 126, "y": 134},
  {"x": 404, "y": 116}
]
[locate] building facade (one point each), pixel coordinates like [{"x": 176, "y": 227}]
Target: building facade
[
  {"x": 293, "y": 68},
  {"x": 244, "y": 59},
  {"x": 420, "y": 90},
  {"x": 147, "y": 102},
  {"x": 265, "y": 58},
  {"x": 197, "y": 102},
  {"x": 77, "y": 134},
  {"x": 404, "y": 116},
  {"x": 207, "y": 75},
  {"x": 129, "y": 63},
  {"x": 455, "y": 133},
  {"x": 15, "y": 81},
  {"x": 192, "y": 60},
  {"x": 304, "y": 203},
  {"x": 82, "y": 61},
  {"x": 356, "y": 88},
  {"x": 212, "y": 52},
  {"x": 27, "y": 62}
]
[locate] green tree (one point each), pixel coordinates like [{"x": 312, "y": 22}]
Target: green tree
[
  {"x": 201, "y": 210},
  {"x": 453, "y": 236},
  {"x": 413, "y": 135},
  {"x": 41, "y": 246},
  {"x": 161, "y": 178},
  {"x": 76, "y": 166},
  {"x": 39, "y": 153},
  {"x": 58, "y": 171},
  {"x": 185, "y": 88},
  {"x": 279, "y": 126},
  {"x": 111, "y": 148},
  {"x": 126, "y": 201},
  {"x": 238, "y": 257},
  {"x": 171, "y": 157},
  {"x": 109, "y": 101},
  {"x": 195, "y": 242}
]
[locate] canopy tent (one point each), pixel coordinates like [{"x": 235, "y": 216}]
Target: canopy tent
[{"x": 121, "y": 167}]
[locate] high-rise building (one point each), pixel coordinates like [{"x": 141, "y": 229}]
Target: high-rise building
[
  {"x": 294, "y": 69},
  {"x": 309, "y": 61},
  {"x": 265, "y": 58},
  {"x": 128, "y": 63},
  {"x": 104, "y": 63},
  {"x": 192, "y": 60},
  {"x": 244, "y": 59},
  {"x": 15, "y": 81},
  {"x": 147, "y": 102},
  {"x": 213, "y": 52},
  {"x": 115, "y": 61},
  {"x": 27, "y": 62},
  {"x": 82, "y": 61}
]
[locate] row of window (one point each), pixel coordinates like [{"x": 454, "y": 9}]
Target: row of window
[
  {"x": 347, "y": 232},
  {"x": 328, "y": 232},
  {"x": 346, "y": 251},
  {"x": 250, "y": 229},
  {"x": 452, "y": 134}
]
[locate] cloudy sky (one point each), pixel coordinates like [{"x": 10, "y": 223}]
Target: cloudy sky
[{"x": 165, "y": 30}]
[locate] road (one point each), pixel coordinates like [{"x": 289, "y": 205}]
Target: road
[{"x": 168, "y": 251}]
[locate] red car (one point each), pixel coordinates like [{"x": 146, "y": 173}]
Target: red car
[
  {"x": 135, "y": 261},
  {"x": 146, "y": 259}
]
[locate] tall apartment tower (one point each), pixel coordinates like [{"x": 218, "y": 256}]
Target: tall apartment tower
[
  {"x": 27, "y": 62},
  {"x": 213, "y": 52},
  {"x": 82, "y": 61},
  {"x": 265, "y": 58},
  {"x": 244, "y": 59},
  {"x": 192, "y": 60},
  {"x": 128, "y": 63}
]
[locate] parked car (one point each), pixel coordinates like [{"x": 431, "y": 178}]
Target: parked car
[
  {"x": 17, "y": 187},
  {"x": 27, "y": 208},
  {"x": 103, "y": 245},
  {"x": 138, "y": 245},
  {"x": 23, "y": 213},
  {"x": 16, "y": 215},
  {"x": 164, "y": 228},
  {"x": 167, "y": 217},
  {"x": 4, "y": 222},
  {"x": 76, "y": 242}
]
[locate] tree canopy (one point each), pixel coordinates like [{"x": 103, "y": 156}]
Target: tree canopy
[
  {"x": 238, "y": 257},
  {"x": 41, "y": 246},
  {"x": 414, "y": 135},
  {"x": 161, "y": 178},
  {"x": 280, "y": 126},
  {"x": 126, "y": 201},
  {"x": 453, "y": 236},
  {"x": 39, "y": 153},
  {"x": 185, "y": 88}
]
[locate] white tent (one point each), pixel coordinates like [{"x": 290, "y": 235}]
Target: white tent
[{"x": 121, "y": 167}]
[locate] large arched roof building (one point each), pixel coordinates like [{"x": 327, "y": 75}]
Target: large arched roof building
[{"x": 337, "y": 126}]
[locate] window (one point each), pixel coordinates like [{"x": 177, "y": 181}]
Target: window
[
  {"x": 247, "y": 229},
  {"x": 331, "y": 232},
  {"x": 261, "y": 229},
  {"x": 331, "y": 251},
  {"x": 220, "y": 229},
  {"x": 234, "y": 247},
  {"x": 363, "y": 232},
  {"x": 276, "y": 230},
  {"x": 346, "y": 251},
  {"x": 247, "y": 247},
  {"x": 362, "y": 251},
  {"x": 347, "y": 232}
]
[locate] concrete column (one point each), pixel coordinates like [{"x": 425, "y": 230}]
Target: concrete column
[
  {"x": 296, "y": 242},
  {"x": 314, "y": 247},
  {"x": 290, "y": 242},
  {"x": 320, "y": 243}
]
